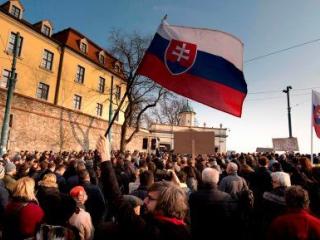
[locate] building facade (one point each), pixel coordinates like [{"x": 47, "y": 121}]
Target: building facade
[
  {"x": 162, "y": 135},
  {"x": 65, "y": 68},
  {"x": 64, "y": 72}
]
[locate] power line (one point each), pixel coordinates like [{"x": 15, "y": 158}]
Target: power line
[
  {"x": 278, "y": 91},
  {"x": 281, "y": 50}
]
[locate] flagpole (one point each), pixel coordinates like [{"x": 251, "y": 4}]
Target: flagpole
[
  {"x": 127, "y": 91},
  {"x": 311, "y": 127}
]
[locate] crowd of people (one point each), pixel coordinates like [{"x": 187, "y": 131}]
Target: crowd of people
[{"x": 105, "y": 194}]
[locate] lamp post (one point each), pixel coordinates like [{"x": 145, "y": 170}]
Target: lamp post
[{"x": 287, "y": 91}]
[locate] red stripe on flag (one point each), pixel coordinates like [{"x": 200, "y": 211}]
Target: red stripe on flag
[{"x": 208, "y": 92}]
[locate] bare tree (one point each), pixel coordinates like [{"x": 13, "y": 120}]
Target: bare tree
[
  {"x": 168, "y": 110},
  {"x": 142, "y": 93}
]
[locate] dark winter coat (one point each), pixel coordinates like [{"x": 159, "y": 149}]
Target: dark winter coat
[
  {"x": 4, "y": 199},
  {"x": 54, "y": 204},
  {"x": 95, "y": 205},
  {"x": 212, "y": 211}
]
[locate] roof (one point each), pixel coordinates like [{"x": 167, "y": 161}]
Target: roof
[
  {"x": 71, "y": 38},
  {"x": 187, "y": 108}
]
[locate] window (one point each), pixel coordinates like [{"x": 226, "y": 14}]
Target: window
[
  {"x": 145, "y": 143},
  {"x": 83, "y": 47},
  {"x": 15, "y": 11},
  {"x": 117, "y": 67},
  {"x": 11, "y": 43},
  {"x": 80, "y": 74},
  {"x": 47, "y": 60},
  {"x": 101, "y": 59},
  {"x": 5, "y": 78},
  {"x": 101, "y": 84},
  {"x": 46, "y": 30},
  {"x": 118, "y": 93},
  {"x": 99, "y": 109},
  {"x": 77, "y": 102},
  {"x": 43, "y": 91}
]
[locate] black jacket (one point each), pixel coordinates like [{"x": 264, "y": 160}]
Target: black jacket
[
  {"x": 95, "y": 204},
  {"x": 212, "y": 213}
]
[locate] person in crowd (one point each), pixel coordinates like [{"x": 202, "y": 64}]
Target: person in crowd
[
  {"x": 314, "y": 192},
  {"x": 211, "y": 210},
  {"x": 260, "y": 182},
  {"x": 232, "y": 184},
  {"x": 52, "y": 201},
  {"x": 274, "y": 203},
  {"x": 133, "y": 185},
  {"x": 81, "y": 219},
  {"x": 23, "y": 215},
  {"x": 95, "y": 203},
  {"x": 74, "y": 180},
  {"x": 146, "y": 180},
  {"x": 61, "y": 181},
  {"x": 191, "y": 181},
  {"x": 297, "y": 223},
  {"x": 9, "y": 177},
  {"x": 4, "y": 195},
  {"x": 166, "y": 204}
]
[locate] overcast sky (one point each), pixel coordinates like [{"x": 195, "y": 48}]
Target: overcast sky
[{"x": 264, "y": 26}]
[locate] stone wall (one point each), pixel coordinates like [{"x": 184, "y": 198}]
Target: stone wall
[{"x": 38, "y": 125}]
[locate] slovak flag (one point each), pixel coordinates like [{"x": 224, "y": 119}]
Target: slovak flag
[
  {"x": 316, "y": 112},
  {"x": 202, "y": 64}
]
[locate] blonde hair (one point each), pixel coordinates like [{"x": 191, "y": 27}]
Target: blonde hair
[
  {"x": 172, "y": 201},
  {"x": 49, "y": 180},
  {"x": 24, "y": 189}
]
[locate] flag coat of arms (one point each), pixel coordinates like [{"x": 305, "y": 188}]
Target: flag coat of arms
[
  {"x": 316, "y": 112},
  {"x": 201, "y": 64}
]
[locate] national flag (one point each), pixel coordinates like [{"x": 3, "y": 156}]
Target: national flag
[
  {"x": 202, "y": 64},
  {"x": 316, "y": 112}
]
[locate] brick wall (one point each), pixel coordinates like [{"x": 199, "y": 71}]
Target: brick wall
[{"x": 38, "y": 125}]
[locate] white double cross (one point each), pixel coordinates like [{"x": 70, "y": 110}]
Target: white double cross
[{"x": 182, "y": 52}]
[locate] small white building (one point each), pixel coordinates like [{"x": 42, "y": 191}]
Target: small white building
[{"x": 162, "y": 135}]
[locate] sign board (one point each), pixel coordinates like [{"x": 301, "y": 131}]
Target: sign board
[
  {"x": 264, "y": 149},
  {"x": 194, "y": 142},
  {"x": 285, "y": 144}
]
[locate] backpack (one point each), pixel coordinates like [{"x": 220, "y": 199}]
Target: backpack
[{"x": 246, "y": 198}]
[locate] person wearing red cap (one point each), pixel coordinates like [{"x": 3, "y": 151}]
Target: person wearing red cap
[{"x": 81, "y": 219}]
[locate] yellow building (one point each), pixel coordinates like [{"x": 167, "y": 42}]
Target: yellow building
[{"x": 66, "y": 68}]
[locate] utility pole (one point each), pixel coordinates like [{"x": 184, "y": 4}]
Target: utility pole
[
  {"x": 287, "y": 91},
  {"x": 12, "y": 83}
]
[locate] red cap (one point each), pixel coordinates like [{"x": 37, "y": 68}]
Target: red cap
[{"x": 74, "y": 192}]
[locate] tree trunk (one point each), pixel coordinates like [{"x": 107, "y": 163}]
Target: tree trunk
[{"x": 123, "y": 142}]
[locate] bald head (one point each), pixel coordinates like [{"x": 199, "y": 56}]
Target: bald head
[
  {"x": 210, "y": 175},
  {"x": 232, "y": 168}
]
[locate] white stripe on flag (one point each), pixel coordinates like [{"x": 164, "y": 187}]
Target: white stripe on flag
[{"x": 211, "y": 41}]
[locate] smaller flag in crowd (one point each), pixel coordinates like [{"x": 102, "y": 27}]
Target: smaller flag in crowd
[{"x": 316, "y": 112}]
